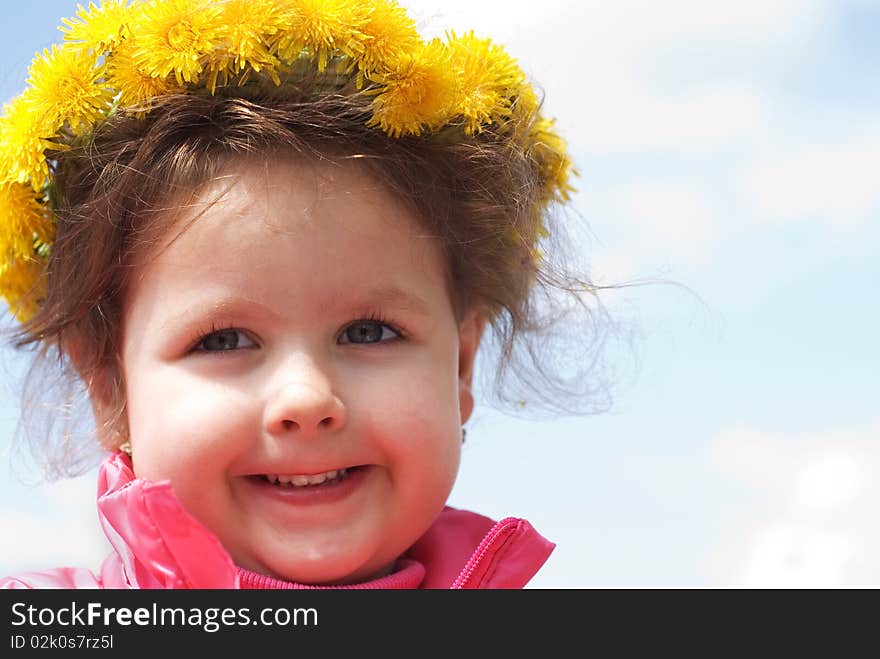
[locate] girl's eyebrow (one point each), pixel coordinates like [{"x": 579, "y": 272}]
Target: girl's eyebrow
[
  {"x": 396, "y": 297},
  {"x": 219, "y": 307},
  {"x": 388, "y": 296}
]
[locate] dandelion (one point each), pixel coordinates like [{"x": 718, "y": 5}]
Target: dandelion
[
  {"x": 417, "y": 95},
  {"x": 523, "y": 113},
  {"x": 66, "y": 87},
  {"x": 175, "y": 36},
  {"x": 388, "y": 34},
  {"x": 22, "y": 143},
  {"x": 550, "y": 151},
  {"x": 23, "y": 219},
  {"x": 23, "y": 286},
  {"x": 249, "y": 26},
  {"x": 322, "y": 27},
  {"x": 98, "y": 28},
  {"x": 136, "y": 88},
  {"x": 488, "y": 79}
]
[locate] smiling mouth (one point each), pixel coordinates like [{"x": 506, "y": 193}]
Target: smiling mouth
[{"x": 310, "y": 480}]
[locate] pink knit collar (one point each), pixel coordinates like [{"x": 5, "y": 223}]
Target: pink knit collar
[{"x": 407, "y": 575}]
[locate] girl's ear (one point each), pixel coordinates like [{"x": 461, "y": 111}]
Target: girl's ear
[
  {"x": 100, "y": 384},
  {"x": 470, "y": 332}
]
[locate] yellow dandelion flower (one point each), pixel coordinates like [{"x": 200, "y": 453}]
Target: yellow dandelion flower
[
  {"x": 218, "y": 67},
  {"x": 246, "y": 31},
  {"x": 249, "y": 27},
  {"x": 550, "y": 151},
  {"x": 322, "y": 27},
  {"x": 135, "y": 87},
  {"x": 22, "y": 133},
  {"x": 98, "y": 28},
  {"x": 418, "y": 94},
  {"x": 488, "y": 79},
  {"x": 66, "y": 87},
  {"x": 388, "y": 34},
  {"x": 175, "y": 36},
  {"x": 524, "y": 113},
  {"x": 23, "y": 219},
  {"x": 23, "y": 286}
]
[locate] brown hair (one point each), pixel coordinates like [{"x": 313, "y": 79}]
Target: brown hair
[{"x": 480, "y": 196}]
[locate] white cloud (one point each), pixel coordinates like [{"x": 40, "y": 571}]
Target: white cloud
[
  {"x": 655, "y": 225},
  {"x": 631, "y": 120},
  {"x": 672, "y": 215},
  {"x": 700, "y": 83},
  {"x": 642, "y": 22},
  {"x": 42, "y": 543},
  {"x": 57, "y": 527},
  {"x": 830, "y": 480},
  {"x": 610, "y": 70},
  {"x": 831, "y": 183},
  {"x": 819, "y": 498},
  {"x": 786, "y": 555}
]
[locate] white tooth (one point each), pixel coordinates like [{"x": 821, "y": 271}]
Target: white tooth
[{"x": 301, "y": 480}]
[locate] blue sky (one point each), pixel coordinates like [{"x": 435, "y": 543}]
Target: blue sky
[{"x": 730, "y": 149}]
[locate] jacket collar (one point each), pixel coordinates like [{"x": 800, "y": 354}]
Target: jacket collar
[{"x": 158, "y": 544}]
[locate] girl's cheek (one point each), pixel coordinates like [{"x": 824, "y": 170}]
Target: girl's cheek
[
  {"x": 190, "y": 416},
  {"x": 216, "y": 415}
]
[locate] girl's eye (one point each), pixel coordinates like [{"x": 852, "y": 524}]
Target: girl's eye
[
  {"x": 368, "y": 331},
  {"x": 224, "y": 340}
]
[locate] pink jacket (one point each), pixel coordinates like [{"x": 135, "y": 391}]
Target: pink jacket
[{"x": 159, "y": 545}]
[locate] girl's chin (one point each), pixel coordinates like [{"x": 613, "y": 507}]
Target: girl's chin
[{"x": 324, "y": 573}]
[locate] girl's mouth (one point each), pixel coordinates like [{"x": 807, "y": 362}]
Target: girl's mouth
[
  {"x": 296, "y": 481},
  {"x": 286, "y": 493}
]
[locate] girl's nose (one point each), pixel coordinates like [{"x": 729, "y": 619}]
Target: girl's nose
[{"x": 305, "y": 408}]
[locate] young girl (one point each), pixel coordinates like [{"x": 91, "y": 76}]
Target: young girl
[{"x": 268, "y": 236}]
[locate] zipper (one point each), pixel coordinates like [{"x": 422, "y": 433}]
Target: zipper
[{"x": 503, "y": 528}]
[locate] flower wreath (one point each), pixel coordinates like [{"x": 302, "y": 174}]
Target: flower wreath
[{"x": 120, "y": 57}]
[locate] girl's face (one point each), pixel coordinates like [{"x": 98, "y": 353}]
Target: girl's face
[{"x": 294, "y": 367}]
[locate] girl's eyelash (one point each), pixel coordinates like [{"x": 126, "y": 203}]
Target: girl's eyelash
[
  {"x": 377, "y": 317},
  {"x": 373, "y": 317},
  {"x": 203, "y": 333}
]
